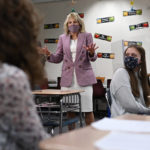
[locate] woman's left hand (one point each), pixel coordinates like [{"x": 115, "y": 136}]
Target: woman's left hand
[{"x": 91, "y": 48}]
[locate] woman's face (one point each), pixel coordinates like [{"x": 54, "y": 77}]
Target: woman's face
[
  {"x": 72, "y": 21},
  {"x": 134, "y": 53}
]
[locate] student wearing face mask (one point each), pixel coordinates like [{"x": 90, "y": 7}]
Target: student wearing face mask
[
  {"x": 76, "y": 49},
  {"x": 129, "y": 87}
]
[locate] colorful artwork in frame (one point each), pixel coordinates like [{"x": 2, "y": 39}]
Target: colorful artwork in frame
[
  {"x": 103, "y": 37},
  {"x": 105, "y": 20},
  {"x": 132, "y": 12},
  {"x": 139, "y": 26},
  {"x": 51, "y": 26},
  {"x": 50, "y": 40},
  {"x": 129, "y": 43},
  {"x": 106, "y": 55}
]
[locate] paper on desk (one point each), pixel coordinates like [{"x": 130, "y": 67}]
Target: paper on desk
[
  {"x": 124, "y": 141},
  {"x": 122, "y": 125}
]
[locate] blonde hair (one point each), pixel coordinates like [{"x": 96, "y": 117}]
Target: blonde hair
[{"x": 77, "y": 18}]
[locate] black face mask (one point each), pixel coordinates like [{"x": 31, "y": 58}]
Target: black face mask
[{"x": 131, "y": 62}]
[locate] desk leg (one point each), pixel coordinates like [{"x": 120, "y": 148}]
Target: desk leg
[
  {"x": 80, "y": 112},
  {"x": 61, "y": 115}
]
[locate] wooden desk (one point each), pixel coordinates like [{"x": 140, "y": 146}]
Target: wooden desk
[
  {"x": 56, "y": 92},
  {"x": 83, "y": 138},
  {"x": 64, "y": 105}
]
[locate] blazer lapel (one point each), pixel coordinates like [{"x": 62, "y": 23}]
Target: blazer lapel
[
  {"x": 81, "y": 38},
  {"x": 67, "y": 46}
]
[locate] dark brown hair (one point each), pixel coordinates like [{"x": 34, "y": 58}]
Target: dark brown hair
[
  {"x": 142, "y": 73},
  {"x": 19, "y": 26}
]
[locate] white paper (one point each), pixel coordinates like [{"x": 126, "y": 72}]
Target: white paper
[
  {"x": 124, "y": 141},
  {"x": 122, "y": 125}
]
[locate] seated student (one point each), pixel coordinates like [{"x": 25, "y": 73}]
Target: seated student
[
  {"x": 129, "y": 86},
  {"x": 20, "y": 126}
]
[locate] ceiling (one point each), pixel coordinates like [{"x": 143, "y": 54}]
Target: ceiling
[{"x": 44, "y": 1}]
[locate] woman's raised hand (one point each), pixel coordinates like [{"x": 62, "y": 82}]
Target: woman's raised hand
[
  {"x": 91, "y": 48},
  {"x": 45, "y": 51}
]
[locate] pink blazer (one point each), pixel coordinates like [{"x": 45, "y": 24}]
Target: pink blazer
[{"x": 82, "y": 65}]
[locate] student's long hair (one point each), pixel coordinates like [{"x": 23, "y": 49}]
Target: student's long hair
[
  {"x": 142, "y": 73},
  {"x": 19, "y": 26}
]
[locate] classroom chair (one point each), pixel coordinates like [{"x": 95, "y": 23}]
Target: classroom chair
[
  {"x": 109, "y": 102},
  {"x": 99, "y": 98}
]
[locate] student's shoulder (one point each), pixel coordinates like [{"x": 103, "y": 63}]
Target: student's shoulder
[
  {"x": 12, "y": 74},
  {"x": 121, "y": 71},
  {"x": 120, "y": 79},
  {"x": 121, "y": 74},
  {"x": 13, "y": 70}
]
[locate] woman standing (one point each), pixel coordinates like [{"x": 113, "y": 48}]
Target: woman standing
[
  {"x": 129, "y": 86},
  {"x": 76, "y": 49}
]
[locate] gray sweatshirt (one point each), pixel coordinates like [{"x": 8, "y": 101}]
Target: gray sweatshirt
[{"x": 123, "y": 101}]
